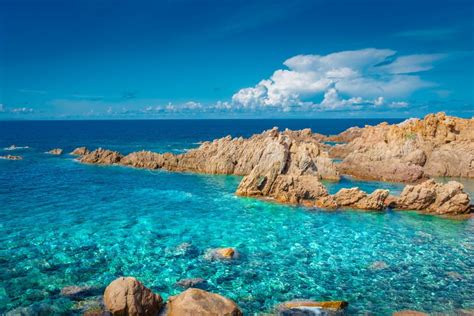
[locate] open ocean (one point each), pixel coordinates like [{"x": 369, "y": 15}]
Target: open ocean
[{"x": 63, "y": 223}]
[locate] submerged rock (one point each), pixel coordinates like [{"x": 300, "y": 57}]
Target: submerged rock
[
  {"x": 200, "y": 302},
  {"x": 192, "y": 282},
  {"x": 435, "y": 198},
  {"x": 378, "y": 265},
  {"x": 308, "y": 307},
  {"x": 78, "y": 292},
  {"x": 222, "y": 254},
  {"x": 127, "y": 296},
  {"x": 55, "y": 151},
  {"x": 11, "y": 157},
  {"x": 80, "y": 151},
  {"x": 408, "y": 312}
]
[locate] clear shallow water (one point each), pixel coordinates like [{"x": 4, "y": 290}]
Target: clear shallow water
[{"x": 63, "y": 223}]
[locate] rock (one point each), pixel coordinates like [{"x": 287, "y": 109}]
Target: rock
[
  {"x": 203, "y": 303},
  {"x": 55, "y": 151},
  {"x": 222, "y": 254},
  {"x": 408, "y": 312},
  {"x": 354, "y": 198},
  {"x": 127, "y": 296},
  {"x": 101, "y": 157},
  {"x": 185, "y": 249},
  {"x": 438, "y": 145},
  {"x": 435, "y": 198},
  {"x": 346, "y": 136},
  {"x": 378, "y": 265},
  {"x": 80, "y": 151},
  {"x": 11, "y": 157},
  {"x": 39, "y": 309},
  {"x": 192, "y": 282},
  {"x": 308, "y": 307},
  {"x": 78, "y": 292}
]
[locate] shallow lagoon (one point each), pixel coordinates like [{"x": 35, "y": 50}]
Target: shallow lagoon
[{"x": 63, "y": 223}]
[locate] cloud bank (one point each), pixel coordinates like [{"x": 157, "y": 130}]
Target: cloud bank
[{"x": 342, "y": 80}]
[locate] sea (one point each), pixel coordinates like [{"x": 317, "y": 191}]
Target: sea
[{"x": 63, "y": 223}]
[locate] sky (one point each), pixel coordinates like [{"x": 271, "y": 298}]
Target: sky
[{"x": 112, "y": 59}]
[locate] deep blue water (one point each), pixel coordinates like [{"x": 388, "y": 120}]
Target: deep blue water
[{"x": 63, "y": 223}]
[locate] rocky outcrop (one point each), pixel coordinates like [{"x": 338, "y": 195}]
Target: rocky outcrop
[
  {"x": 354, "y": 198},
  {"x": 11, "y": 157},
  {"x": 127, "y": 296},
  {"x": 200, "y": 302},
  {"x": 80, "y": 151},
  {"x": 308, "y": 307},
  {"x": 101, "y": 157},
  {"x": 435, "y": 198},
  {"x": 438, "y": 145},
  {"x": 346, "y": 136},
  {"x": 222, "y": 254},
  {"x": 55, "y": 151}
]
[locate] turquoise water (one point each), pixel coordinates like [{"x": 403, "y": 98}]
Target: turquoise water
[{"x": 63, "y": 223}]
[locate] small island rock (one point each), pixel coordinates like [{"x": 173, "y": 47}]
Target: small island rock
[
  {"x": 80, "y": 151},
  {"x": 55, "y": 151},
  {"x": 11, "y": 157}
]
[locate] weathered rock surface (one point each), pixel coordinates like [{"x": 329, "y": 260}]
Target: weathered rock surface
[
  {"x": 435, "y": 198},
  {"x": 55, "y": 151},
  {"x": 80, "y": 151},
  {"x": 200, "y": 302},
  {"x": 101, "y": 157},
  {"x": 11, "y": 157},
  {"x": 222, "y": 254},
  {"x": 354, "y": 198},
  {"x": 127, "y": 296},
  {"x": 347, "y": 136},
  {"x": 438, "y": 145},
  {"x": 308, "y": 307}
]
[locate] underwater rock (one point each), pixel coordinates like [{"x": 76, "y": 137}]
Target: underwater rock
[
  {"x": 435, "y": 198},
  {"x": 308, "y": 307},
  {"x": 55, "y": 151},
  {"x": 80, "y": 151},
  {"x": 378, "y": 265},
  {"x": 101, "y": 157},
  {"x": 409, "y": 312},
  {"x": 200, "y": 302},
  {"x": 438, "y": 145},
  {"x": 127, "y": 296},
  {"x": 11, "y": 157},
  {"x": 191, "y": 282},
  {"x": 222, "y": 254},
  {"x": 78, "y": 292}
]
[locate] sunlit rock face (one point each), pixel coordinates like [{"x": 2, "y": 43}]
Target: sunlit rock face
[{"x": 438, "y": 145}]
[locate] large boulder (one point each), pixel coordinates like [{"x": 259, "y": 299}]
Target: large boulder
[
  {"x": 126, "y": 296},
  {"x": 435, "y": 198},
  {"x": 308, "y": 307},
  {"x": 354, "y": 198},
  {"x": 199, "y": 302}
]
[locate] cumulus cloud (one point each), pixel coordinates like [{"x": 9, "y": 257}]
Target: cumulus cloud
[{"x": 348, "y": 79}]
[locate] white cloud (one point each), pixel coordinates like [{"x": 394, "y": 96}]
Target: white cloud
[
  {"x": 348, "y": 79},
  {"x": 20, "y": 110}
]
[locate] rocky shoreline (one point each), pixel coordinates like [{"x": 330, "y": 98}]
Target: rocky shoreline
[{"x": 288, "y": 166}]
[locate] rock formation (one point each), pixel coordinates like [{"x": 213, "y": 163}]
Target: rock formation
[
  {"x": 55, "y": 151},
  {"x": 354, "y": 198},
  {"x": 307, "y": 307},
  {"x": 200, "y": 302},
  {"x": 101, "y": 157},
  {"x": 11, "y": 157},
  {"x": 435, "y": 198},
  {"x": 80, "y": 151},
  {"x": 127, "y": 296},
  {"x": 437, "y": 145}
]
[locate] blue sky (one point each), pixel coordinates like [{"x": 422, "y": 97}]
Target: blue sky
[{"x": 231, "y": 59}]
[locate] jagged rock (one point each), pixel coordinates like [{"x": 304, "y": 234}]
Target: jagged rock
[
  {"x": 346, "y": 136},
  {"x": 192, "y": 282},
  {"x": 127, "y": 296},
  {"x": 438, "y": 145},
  {"x": 203, "y": 303},
  {"x": 101, "y": 157},
  {"x": 354, "y": 198},
  {"x": 435, "y": 198},
  {"x": 55, "y": 151},
  {"x": 308, "y": 307},
  {"x": 11, "y": 157},
  {"x": 80, "y": 151},
  {"x": 143, "y": 159},
  {"x": 222, "y": 254}
]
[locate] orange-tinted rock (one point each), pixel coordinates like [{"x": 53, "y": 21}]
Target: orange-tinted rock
[
  {"x": 308, "y": 307},
  {"x": 409, "y": 313},
  {"x": 222, "y": 254},
  {"x": 200, "y": 302},
  {"x": 127, "y": 296},
  {"x": 80, "y": 151},
  {"x": 101, "y": 157}
]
